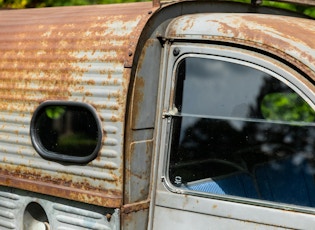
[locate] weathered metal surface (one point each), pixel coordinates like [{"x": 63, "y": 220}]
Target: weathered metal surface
[
  {"x": 140, "y": 129},
  {"x": 135, "y": 220},
  {"x": 57, "y": 213},
  {"x": 135, "y": 207},
  {"x": 287, "y": 37},
  {"x": 73, "y": 54}
]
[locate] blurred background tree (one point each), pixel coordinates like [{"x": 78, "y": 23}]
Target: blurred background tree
[
  {"x": 309, "y": 11},
  {"x": 18, "y": 4}
]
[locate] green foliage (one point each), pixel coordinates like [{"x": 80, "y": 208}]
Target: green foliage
[
  {"x": 286, "y": 107},
  {"x": 77, "y": 144},
  {"x": 309, "y": 11},
  {"x": 55, "y": 112},
  {"x": 13, "y": 3}
]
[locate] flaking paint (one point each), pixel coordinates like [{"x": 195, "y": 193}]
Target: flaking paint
[
  {"x": 287, "y": 37},
  {"x": 70, "y": 54}
]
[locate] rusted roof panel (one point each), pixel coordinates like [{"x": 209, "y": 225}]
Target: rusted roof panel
[
  {"x": 72, "y": 54},
  {"x": 287, "y": 37}
]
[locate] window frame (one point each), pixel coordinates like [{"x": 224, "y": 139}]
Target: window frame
[
  {"x": 54, "y": 156},
  {"x": 179, "y": 51}
]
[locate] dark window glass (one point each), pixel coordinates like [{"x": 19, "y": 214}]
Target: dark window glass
[
  {"x": 67, "y": 132},
  {"x": 240, "y": 131}
]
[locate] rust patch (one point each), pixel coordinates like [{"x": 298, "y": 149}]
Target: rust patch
[
  {"x": 134, "y": 207},
  {"x": 43, "y": 56},
  {"x": 288, "y": 35},
  {"x": 134, "y": 38},
  {"x": 137, "y": 97},
  {"x": 271, "y": 49},
  {"x": 91, "y": 82},
  {"x": 65, "y": 188},
  {"x": 122, "y": 98},
  {"x": 189, "y": 23},
  {"x": 138, "y": 87},
  {"x": 296, "y": 31},
  {"x": 52, "y": 54}
]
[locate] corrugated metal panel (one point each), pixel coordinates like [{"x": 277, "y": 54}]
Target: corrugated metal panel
[
  {"x": 73, "y": 54},
  {"x": 287, "y": 37},
  {"x": 10, "y": 204},
  {"x": 60, "y": 216}
]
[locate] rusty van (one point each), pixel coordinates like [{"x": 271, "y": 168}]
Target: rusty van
[{"x": 172, "y": 115}]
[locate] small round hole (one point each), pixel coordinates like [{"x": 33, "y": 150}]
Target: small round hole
[{"x": 35, "y": 218}]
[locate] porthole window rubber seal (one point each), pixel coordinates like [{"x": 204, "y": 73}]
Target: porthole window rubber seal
[{"x": 55, "y": 156}]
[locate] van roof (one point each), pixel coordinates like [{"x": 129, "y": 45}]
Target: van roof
[{"x": 286, "y": 37}]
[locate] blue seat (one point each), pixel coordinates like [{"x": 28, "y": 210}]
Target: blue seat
[
  {"x": 237, "y": 184},
  {"x": 278, "y": 180},
  {"x": 283, "y": 181}
]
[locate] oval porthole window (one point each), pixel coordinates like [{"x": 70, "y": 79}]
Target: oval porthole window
[{"x": 66, "y": 131}]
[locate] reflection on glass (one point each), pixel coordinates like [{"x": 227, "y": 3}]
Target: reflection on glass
[
  {"x": 241, "y": 132},
  {"x": 286, "y": 107},
  {"x": 67, "y": 130},
  {"x": 218, "y": 88}
]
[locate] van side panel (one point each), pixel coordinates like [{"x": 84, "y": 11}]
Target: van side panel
[{"x": 69, "y": 54}]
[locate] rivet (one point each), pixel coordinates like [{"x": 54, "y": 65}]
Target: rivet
[{"x": 176, "y": 51}]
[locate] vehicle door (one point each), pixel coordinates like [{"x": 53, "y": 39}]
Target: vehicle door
[{"x": 237, "y": 141}]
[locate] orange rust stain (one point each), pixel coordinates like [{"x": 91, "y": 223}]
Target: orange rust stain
[
  {"x": 36, "y": 180},
  {"x": 109, "y": 75},
  {"x": 99, "y": 158},
  {"x": 148, "y": 43},
  {"x": 189, "y": 24},
  {"x": 114, "y": 119},
  {"x": 44, "y": 55},
  {"x": 135, "y": 207},
  {"x": 271, "y": 49},
  {"x": 137, "y": 98},
  {"x": 296, "y": 29},
  {"x": 121, "y": 98},
  {"x": 88, "y": 94},
  {"x": 91, "y": 82},
  {"x": 281, "y": 32},
  {"x": 250, "y": 34}
]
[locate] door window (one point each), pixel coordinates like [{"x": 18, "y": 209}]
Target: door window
[{"x": 241, "y": 131}]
